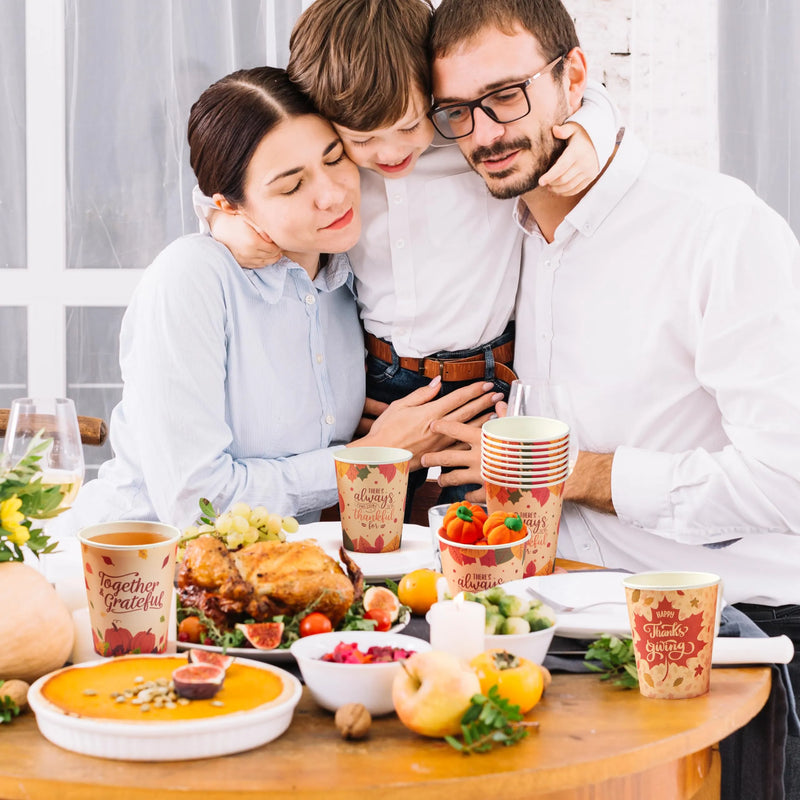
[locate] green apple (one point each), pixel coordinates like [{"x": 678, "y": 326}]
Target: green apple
[{"x": 432, "y": 692}]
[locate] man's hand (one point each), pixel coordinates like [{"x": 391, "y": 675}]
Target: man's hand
[
  {"x": 590, "y": 481},
  {"x": 464, "y": 458},
  {"x": 409, "y": 422}
]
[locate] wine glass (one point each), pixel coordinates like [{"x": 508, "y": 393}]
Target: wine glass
[
  {"x": 61, "y": 463},
  {"x": 545, "y": 399}
]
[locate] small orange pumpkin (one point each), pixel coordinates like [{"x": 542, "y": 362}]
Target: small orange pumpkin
[
  {"x": 463, "y": 523},
  {"x": 501, "y": 527}
]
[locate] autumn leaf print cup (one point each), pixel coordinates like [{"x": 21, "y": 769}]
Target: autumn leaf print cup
[
  {"x": 674, "y": 616},
  {"x": 372, "y": 483},
  {"x": 477, "y": 567},
  {"x": 128, "y": 568}
]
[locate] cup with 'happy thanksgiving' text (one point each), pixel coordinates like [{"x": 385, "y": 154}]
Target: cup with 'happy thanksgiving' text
[
  {"x": 372, "y": 483},
  {"x": 673, "y": 618},
  {"x": 128, "y": 568}
]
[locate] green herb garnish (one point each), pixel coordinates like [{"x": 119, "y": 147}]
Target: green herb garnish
[
  {"x": 614, "y": 658},
  {"x": 490, "y": 720},
  {"x": 8, "y": 708}
]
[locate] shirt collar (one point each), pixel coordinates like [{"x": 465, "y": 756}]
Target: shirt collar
[
  {"x": 602, "y": 198},
  {"x": 270, "y": 280}
]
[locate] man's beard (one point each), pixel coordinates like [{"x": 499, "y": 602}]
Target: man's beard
[{"x": 550, "y": 149}]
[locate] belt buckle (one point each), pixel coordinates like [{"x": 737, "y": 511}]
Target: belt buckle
[{"x": 423, "y": 362}]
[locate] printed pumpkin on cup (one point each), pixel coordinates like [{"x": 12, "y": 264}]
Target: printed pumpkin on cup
[{"x": 495, "y": 557}]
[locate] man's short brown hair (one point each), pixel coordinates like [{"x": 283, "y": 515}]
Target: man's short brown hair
[
  {"x": 361, "y": 60},
  {"x": 458, "y": 21}
]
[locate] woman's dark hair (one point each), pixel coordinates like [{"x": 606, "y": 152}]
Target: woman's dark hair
[{"x": 230, "y": 118}]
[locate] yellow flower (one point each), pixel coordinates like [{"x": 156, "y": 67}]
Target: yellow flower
[{"x": 11, "y": 519}]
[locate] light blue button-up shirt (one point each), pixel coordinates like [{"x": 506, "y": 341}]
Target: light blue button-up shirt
[{"x": 238, "y": 386}]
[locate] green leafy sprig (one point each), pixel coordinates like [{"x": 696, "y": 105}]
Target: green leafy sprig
[
  {"x": 24, "y": 483},
  {"x": 8, "y": 708},
  {"x": 614, "y": 658},
  {"x": 490, "y": 720}
]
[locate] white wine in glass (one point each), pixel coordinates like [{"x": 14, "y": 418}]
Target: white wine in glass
[{"x": 56, "y": 420}]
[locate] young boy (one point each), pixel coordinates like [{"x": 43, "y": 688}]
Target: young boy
[{"x": 437, "y": 265}]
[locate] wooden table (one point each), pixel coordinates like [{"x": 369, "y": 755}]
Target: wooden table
[{"x": 594, "y": 742}]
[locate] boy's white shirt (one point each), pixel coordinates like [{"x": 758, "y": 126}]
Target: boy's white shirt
[{"x": 437, "y": 265}]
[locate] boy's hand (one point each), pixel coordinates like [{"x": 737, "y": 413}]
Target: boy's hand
[
  {"x": 577, "y": 167},
  {"x": 249, "y": 248}
]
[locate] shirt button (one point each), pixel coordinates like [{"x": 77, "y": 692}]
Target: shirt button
[
  {"x": 547, "y": 264},
  {"x": 397, "y": 199},
  {"x": 310, "y": 299},
  {"x": 401, "y": 331},
  {"x": 319, "y": 358},
  {"x": 400, "y": 244},
  {"x": 330, "y": 419}
]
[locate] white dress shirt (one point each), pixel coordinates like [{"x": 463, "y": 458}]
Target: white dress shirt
[
  {"x": 669, "y": 302},
  {"x": 437, "y": 264},
  {"x": 238, "y": 386}
]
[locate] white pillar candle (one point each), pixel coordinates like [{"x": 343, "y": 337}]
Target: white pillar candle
[{"x": 457, "y": 627}]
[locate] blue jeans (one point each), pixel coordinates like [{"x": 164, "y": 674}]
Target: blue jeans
[{"x": 387, "y": 382}]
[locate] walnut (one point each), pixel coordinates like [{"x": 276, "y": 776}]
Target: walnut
[
  {"x": 547, "y": 678},
  {"x": 353, "y": 721},
  {"x": 16, "y": 690}
]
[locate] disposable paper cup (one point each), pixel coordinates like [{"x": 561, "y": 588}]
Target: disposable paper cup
[
  {"x": 524, "y": 471},
  {"x": 540, "y": 509},
  {"x": 533, "y": 462},
  {"x": 530, "y": 450},
  {"x": 521, "y": 480},
  {"x": 372, "y": 483},
  {"x": 129, "y": 567},
  {"x": 673, "y": 617},
  {"x": 473, "y": 568},
  {"x": 525, "y": 430}
]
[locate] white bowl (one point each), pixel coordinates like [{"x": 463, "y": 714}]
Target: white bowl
[
  {"x": 165, "y": 741},
  {"x": 532, "y": 646},
  {"x": 332, "y": 685}
]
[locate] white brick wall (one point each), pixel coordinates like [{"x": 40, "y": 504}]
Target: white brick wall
[{"x": 658, "y": 59}]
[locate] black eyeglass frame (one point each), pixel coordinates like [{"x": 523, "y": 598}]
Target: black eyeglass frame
[{"x": 473, "y": 104}]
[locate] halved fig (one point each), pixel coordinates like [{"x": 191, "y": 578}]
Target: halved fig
[
  {"x": 381, "y": 597},
  {"x": 198, "y": 681},
  {"x": 197, "y": 656},
  {"x": 262, "y": 635}
]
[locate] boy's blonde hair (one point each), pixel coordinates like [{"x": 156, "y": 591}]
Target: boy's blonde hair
[{"x": 360, "y": 61}]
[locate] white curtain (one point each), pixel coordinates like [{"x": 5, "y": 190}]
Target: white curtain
[
  {"x": 759, "y": 99},
  {"x": 133, "y": 71}
]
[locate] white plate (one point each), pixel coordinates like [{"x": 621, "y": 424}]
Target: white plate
[
  {"x": 166, "y": 741},
  {"x": 283, "y": 655},
  {"x": 577, "y": 588},
  {"x": 415, "y": 552}
]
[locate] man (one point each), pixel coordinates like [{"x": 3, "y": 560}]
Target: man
[{"x": 666, "y": 298}]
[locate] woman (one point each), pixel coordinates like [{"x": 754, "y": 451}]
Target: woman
[{"x": 239, "y": 383}]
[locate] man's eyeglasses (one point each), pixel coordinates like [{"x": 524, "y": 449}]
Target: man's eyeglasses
[{"x": 502, "y": 105}]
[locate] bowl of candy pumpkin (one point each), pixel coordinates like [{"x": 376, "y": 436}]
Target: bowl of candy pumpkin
[{"x": 480, "y": 550}]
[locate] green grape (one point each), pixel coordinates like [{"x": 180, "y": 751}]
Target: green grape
[
  {"x": 241, "y": 510},
  {"x": 234, "y": 540},
  {"x": 258, "y": 516},
  {"x": 290, "y": 524},
  {"x": 240, "y": 524},
  {"x": 273, "y": 523},
  {"x": 251, "y": 535},
  {"x": 224, "y": 523}
]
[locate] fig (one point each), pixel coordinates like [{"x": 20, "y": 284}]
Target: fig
[
  {"x": 197, "y": 656},
  {"x": 198, "y": 681},
  {"x": 383, "y": 598},
  {"x": 262, "y": 635}
]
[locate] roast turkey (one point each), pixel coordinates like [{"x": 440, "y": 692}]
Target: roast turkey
[{"x": 263, "y": 580}]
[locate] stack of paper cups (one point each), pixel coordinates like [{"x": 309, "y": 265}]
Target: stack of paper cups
[{"x": 524, "y": 464}]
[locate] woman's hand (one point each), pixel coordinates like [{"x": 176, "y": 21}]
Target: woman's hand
[
  {"x": 577, "y": 166},
  {"x": 250, "y": 249},
  {"x": 409, "y": 422}
]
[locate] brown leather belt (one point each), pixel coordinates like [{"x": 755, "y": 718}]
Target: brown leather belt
[{"x": 471, "y": 368}]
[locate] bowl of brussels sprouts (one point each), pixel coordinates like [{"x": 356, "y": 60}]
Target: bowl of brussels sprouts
[{"x": 521, "y": 626}]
